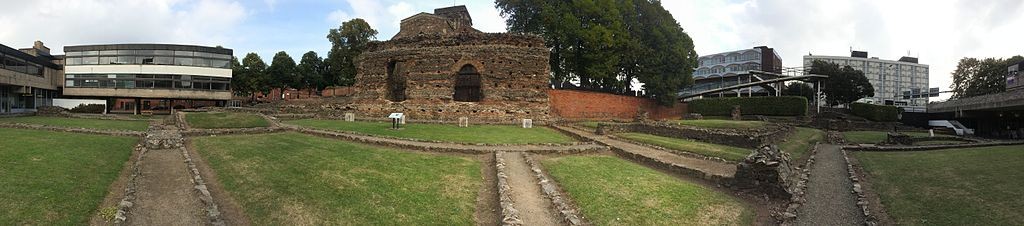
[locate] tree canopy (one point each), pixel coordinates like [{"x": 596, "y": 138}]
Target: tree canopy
[
  {"x": 844, "y": 84},
  {"x": 311, "y": 70},
  {"x": 249, "y": 76},
  {"x": 347, "y": 42},
  {"x": 799, "y": 89},
  {"x": 605, "y": 44},
  {"x": 974, "y": 77},
  {"x": 282, "y": 72}
]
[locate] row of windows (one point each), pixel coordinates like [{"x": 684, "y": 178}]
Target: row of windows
[
  {"x": 148, "y": 53},
  {"x": 155, "y": 60},
  {"x": 142, "y": 81},
  {"x": 730, "y": 68},
  {"x": 748, "y": 56},
  {"x": 15, "y": 64}
]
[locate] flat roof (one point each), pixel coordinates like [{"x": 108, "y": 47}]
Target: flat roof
[{"x": 148, "y": 46}]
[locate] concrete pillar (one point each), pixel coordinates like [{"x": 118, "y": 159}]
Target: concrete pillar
[
  {"x": 817, "y": 96},
  {"x": 138, "y": 106}
]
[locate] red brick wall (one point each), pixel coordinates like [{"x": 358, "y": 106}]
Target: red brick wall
[
  {"x": 337, "y": 91},
  {"x": 583, "y": 105}
]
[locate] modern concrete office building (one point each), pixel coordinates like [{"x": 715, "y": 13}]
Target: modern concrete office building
[
  {"x": 29, "y": 78},
  {"x": 902, "y": 83},
  {"x": 732, "y": 68},
  {"x": 148, "y": 77}
]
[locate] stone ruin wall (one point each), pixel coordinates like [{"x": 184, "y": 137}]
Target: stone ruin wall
[{"x": 513, "y": 70}]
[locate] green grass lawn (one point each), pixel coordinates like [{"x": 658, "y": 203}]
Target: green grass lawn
[
  {"x": 940, "y": 142},
  {"x": 490, "y": 134},
  {"x": 81, "y": 122},
  {"x": 592, "y": 125},
  {"x": 972, "y": 186},
  {"x": 871, "y": 137},
  {"x": 723, "y": 124},
  {"x": 56, "y": 178},
  {"x": 687, "y": 145},
  {"x": 800, "y": 143},
  {"x": 219, "y": 120},
  {"x": 296, "y": 179},
  {"x": 612, "y": 191}
]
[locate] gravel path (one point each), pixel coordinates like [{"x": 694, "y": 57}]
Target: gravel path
[
  {"x": 533, "y": 207},
  {"x": 165, "y": 193},
  {"x": 830, "y": 200},
  {"x": 707, "y": 166}
]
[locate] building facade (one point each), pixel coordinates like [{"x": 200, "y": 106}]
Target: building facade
[
  {"x": 902, "y": 83},
  {"x": 733, "y": 68},
  {"x": 29, "y": 78},
  {"x": 153, "y": 76}
]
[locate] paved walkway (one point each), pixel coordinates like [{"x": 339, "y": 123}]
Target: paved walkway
[
  {"x": 165, "y": 193},
  {"x": 716, "y": 168},
  {"x": 533, "y": 207},
  {"x": 448, "y": 146},
  {"x": 830, "y": 198}
]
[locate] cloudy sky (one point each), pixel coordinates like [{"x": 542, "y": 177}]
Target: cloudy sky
[{"x": 939, "y": 32}]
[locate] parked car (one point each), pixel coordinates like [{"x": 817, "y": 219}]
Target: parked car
[{"x": 960, "y": 129}]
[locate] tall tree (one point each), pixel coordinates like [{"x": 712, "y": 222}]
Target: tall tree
[
  {"x": 347, "y": 42},
  {"x": 311, "y": 70},
  {"x": 844, "y": 84},
  {"x": 239, "y": 79},
  {"x": 254, "y": 76},
  {"x": 605, "y": 44},
  {"x": 282, "y": 72},
  {"x": 974, "y": 77}
]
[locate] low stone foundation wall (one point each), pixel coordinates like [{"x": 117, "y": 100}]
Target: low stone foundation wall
[
  {"x": 747, "y": 138},
  {"x": 509, "y": 214},
  {"x": 862, "y": 198},
  {"x": 123, "y": 133},
  {"x": 570, "y": 214},
  {"x": 130, "y": 187}
]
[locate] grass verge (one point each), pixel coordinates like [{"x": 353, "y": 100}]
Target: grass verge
[
  {"x": 220, "y": 120},
  {"x": 687, "y": 145},
  {"x": 800, "y": 143},
  {"x": 612, "y": 191},
  {"x": 56, "y": 178},
  {"x": 971, "y": 186},
  {"x": 107, "y": 124},
  {"x": 296, "y": 179},
  {"x": 489, "y": 134},
  {"x": 723, "y": 124}
]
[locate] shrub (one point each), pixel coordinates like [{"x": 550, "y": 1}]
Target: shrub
[
  {"x": 88, "y": 108},
  {"x": 780, "y": 106},
  {"x": 878, "y": 113}
]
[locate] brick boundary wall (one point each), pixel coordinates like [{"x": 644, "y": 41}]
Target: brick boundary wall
[{"x": 583, "y": 105}]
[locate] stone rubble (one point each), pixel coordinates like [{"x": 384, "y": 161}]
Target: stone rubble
[{"x": 509, "y": 214}]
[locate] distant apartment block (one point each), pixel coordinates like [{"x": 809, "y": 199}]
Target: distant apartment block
[
  {"x": 902, "y": 82},
  {"x": 732, "y": 68}
]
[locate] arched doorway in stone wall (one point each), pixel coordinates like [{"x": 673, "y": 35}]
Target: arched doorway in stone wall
[{"x": 467, "y": 85}]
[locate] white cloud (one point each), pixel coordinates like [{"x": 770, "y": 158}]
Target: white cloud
[{"x": 72, "y": 22}]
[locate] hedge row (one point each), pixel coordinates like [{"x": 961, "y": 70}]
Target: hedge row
[
  {"x": 778, "y": 106},
  {"x": 878, "y": 113}
]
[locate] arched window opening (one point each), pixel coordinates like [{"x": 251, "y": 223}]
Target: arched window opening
[
  {"x": 395, "y": 82},
  {"x": 467, "y": 85}
]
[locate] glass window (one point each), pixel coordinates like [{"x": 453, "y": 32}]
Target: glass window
[
  {"x": 145, "y": 52},
  {"x": 90, "y": 53},
  {"x": 90, "y": 60},
  {"x": 73, "y": 61},
  {"x": 69, "y": 83},
  {"x": 202, "y": 54},
  {"x": 124, "y": 84},
  {"x": 144, "y": 84},
  {"x": 183, "y": 53},
  {"x": 163, "y": 76},
  {"x": 163, "y": 52},
  {"x": 126, "y": 60},
  {"x": 200, "y": 62},
  {"x": 108, "y": 52},
  {"x": 163, "y": 60},
  {"x": 107, "y": 60},
  {"x": 219, "y": 63},
  {"x": 184, "y": 61},
  {"x": 144, "y": 76},
  {"x": 162, "y": 84},
  {"x": 126, "y": 52}
]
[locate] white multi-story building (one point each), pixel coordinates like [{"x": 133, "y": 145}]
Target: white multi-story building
[
  {"x": 732, "y": 68},
  {"x": 902, "y": 83}
]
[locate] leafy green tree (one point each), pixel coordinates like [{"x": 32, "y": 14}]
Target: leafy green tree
[
  {"x": 347, "y": 42},
  {"x": 311, "y": 70},
  {"x": 282, "y": 72},
  {"x": 253, "y": 75},
  {"x": 974, "y": 77},
  {"x": 844, "y": 84},
  {"x": 606, "y": 44},
  {"x": 799, "y": 89}
]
